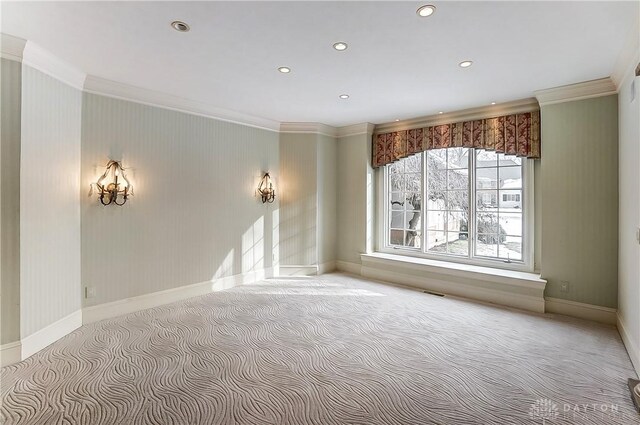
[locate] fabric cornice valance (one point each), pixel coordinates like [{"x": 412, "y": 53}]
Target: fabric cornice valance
[{"x": 516, "y": 134}]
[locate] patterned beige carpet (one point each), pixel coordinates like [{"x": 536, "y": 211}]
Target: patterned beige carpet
[{"x": 328, "y": 350}]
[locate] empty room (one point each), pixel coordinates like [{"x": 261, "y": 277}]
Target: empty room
[{"x": 320, "y": 212}]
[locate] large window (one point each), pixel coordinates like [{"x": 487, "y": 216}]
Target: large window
[{"x": 474, "y": 207}]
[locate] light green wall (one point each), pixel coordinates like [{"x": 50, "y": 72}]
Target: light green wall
[
  {"x": 299, "y": 201},
  {"x": 195, "y": 215},
  {"x": 355, "y": 180},
  {"x": 308, "y": 185},
  {"x": 327, "y": 198},
  {"x": 579, "y": 200},
  {"x": 10, "y": 96},
  {"x": 50, "y": 285}
]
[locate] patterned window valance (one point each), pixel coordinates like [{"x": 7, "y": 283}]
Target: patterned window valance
[{"x": 517, "y": 134}]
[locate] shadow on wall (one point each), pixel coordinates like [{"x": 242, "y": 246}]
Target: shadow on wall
[
  {"x": 134, "y": 250},
  {"x": 253, "y": 247},
  {"x": 253, "y": 253}
]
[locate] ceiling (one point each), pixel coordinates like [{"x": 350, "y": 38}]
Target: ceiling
[{"x": 397, "y": 65}]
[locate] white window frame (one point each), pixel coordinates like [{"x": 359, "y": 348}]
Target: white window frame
[{"x": 382, "y": 236}]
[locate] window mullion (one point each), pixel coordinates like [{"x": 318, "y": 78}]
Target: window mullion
[
  {"x": 387, "y": 210},
  {"x": 424, "y": 201},
  {"x": 499, "y": 193},
  {"x": 471, "y": 220},
  {"x": 447, "y": 205}
]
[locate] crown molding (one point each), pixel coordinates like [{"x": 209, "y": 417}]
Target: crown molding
[
  {"x": 40, "y": 59},
  {"x": 104, "y": 87},
  {"x": 579, "y": 91},
  {"x": 628, "y": 58},
  {"x": 514, "y": 107},
  {"x": 327, "y": 130},
  {"x": 308, "y": 127},
  {"x": 356, "y": 129},
  {"x": 11, "y": 47},
  {"x": 31, "y": 54}
]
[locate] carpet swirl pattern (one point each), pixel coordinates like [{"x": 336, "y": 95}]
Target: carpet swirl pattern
[{"x": 327, "y": 350}]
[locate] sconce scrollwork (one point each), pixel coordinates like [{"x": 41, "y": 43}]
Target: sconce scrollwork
[
  {"x": 266, "y": 190},
  {"x": 113, "y": 185}
]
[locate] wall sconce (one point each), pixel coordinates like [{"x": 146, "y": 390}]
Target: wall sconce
[
  {"x": 266, "y": 190},
  {"x": 114, "y": 183}
]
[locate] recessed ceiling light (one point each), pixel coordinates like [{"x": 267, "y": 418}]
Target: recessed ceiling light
[
  {"x": 493, "y": 103},
  {"x": 340, "y": 46},
  {"x": 180, "y": 26},
  {"x": 426, "y": 10},
  {"x": 344, "y": 96},
  {"x": 284, "y": 69},
  {"x": 465, "y": 64},
  {"x": 441, "y": 112},
  {"x": 397, "y": 120}
]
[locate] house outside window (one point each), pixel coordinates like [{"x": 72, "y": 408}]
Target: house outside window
[
  {"x": 511, "y": 197},
  {"x": 461, "y": 205}
]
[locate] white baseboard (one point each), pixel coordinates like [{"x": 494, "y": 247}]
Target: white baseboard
[
  {"x": 345, "y": 266},
  {"x": 580, "y": 310},
  {"x": 632, "y": 346},
  {"x": 298, "y": 270},
  {"x": 48, "y": 335},
  {"x": 10, "y": 353},
  {"x": 20, "y": 350},
  {"x": 129, "y": 305},
  {"x": 327, "y": 267}
]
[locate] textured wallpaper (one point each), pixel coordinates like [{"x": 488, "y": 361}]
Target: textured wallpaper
[
  {"x": 195, "y": 215},
  {"x": 579, "y": 176},
  {"x": 10, "y": 95},
  {"x": 49, "y": 201}
]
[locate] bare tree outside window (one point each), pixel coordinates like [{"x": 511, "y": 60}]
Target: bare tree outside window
[
  {"x": 405, "y": 180},
  {"x": 448, "y": 201}
]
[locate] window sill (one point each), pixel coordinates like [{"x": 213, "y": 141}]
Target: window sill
[
  {"x": 481, "y": 262},
  {"x": 506, "y": 287}
]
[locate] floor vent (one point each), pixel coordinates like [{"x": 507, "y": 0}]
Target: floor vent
[{"x": 433, "y": 293}]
